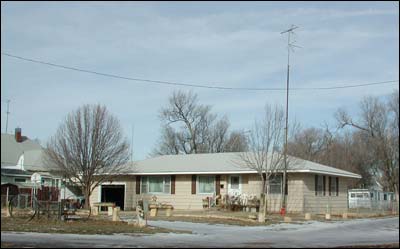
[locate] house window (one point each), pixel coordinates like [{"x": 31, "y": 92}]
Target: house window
[
  {"x": 275, "y": 184},
  {"x": 206, "y": 184},
  {"x": 235, "y": 182},
  {"x": 19, "y": 180},
  {"x": 156, "y": 184},
  {"x": 385, "y": 197},
  {"x": 334, "y": 186},
  {"x": 320, "y": 185}
]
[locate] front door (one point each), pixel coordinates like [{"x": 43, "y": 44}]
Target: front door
[{"x": 235, "y": 186}]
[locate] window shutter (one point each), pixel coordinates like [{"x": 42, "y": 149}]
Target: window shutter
[
  {"x": 193, "y": 184},
  {"x": 316, "y": 185},
  {"x": 323, "y": 183},
  {"x": 217, "y": 184},
  {"x": 330, "y": 185},
  {"x": 337, "y": 186},
  {"x": 172, "y": 184},
  {"x": 286, "y": 186},
  {"x": 138, "y": 185}
]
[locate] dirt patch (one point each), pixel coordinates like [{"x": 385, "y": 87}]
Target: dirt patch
[{"x": 84, "y": 226}]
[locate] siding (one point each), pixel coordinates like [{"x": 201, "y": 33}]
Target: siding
[
  {"x": 320, "y": 204},
  {"x": 301, "y": 194}
]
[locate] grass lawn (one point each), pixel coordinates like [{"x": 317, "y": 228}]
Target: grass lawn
[{"x": 84, "y": 226}]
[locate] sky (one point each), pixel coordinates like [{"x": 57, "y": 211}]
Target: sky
[{"x": 229, "y": 44}]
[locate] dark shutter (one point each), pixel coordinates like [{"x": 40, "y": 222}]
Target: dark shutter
[
  {"x": 286, "y": 185},
  {"x": 323, "y": 183},
  {"x": 217, "y": 184},
  {"x": 172, "y": 184},
  {"x": 316, "y": 185},
  {"x": 337, "y": 186},
  {"x": 138, "y": 185},
  {"x": 329, "y": 185},
  {"x": 193, "y": 184}
]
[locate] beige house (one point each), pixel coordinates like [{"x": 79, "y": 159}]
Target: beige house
[{"x": 185, "y": 180}]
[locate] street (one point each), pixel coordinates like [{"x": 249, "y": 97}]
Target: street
[{"x": 309, "y": 234}]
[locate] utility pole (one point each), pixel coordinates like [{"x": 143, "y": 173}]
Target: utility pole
[
  {"x": 8, "y": 112},
  {"x": 290, "y": 46}
]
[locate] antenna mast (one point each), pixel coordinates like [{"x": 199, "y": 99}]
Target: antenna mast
[{"x": 290, "y": 46}]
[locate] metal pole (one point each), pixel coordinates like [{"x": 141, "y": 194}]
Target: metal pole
[{"x": 283, "y": 201}]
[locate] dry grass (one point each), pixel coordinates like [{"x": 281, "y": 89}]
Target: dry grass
[{"x": 84, "y": 226}]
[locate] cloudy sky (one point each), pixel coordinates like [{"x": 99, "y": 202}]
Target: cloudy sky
[{"x": 230, "y": 44}]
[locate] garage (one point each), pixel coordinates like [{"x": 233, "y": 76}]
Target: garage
[{"x": 113, "y": 193}]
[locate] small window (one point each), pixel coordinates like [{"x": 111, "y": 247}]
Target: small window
[
  {"x": 385, "y": 197},
  {"x": 19, "y": 180},
  {"x": 372, "y": 195},
  {"x": 353, "y": 195},
  {"x": 360, "y": 196},
  {"x": 275, "y": 184},
  {"x": 206, "y": 184},
  {"x": 320, "y": 185}
]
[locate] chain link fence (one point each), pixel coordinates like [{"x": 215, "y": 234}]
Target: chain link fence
[{"x": 333, "y": 205}]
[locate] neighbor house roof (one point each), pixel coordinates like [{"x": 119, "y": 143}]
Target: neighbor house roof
[
  {"x": 11, "y": 150},
  {"x": 219, "y": 163}
]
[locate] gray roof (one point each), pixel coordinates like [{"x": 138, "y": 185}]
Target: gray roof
[
  {"x": 219, "y": 163},
  {"x": 32, "y": 151},
  {"x": 11, "y": 150}
]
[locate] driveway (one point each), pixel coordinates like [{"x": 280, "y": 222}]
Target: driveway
[{"x": 308, "y": 234}]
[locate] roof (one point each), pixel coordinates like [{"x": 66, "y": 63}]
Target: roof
[
  {"x": 11, "y": 150},
  {"x": 220, "y": 163}
]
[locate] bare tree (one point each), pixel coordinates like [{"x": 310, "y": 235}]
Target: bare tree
[
  {"x": 189, "y": 127},
  {"x": 88, "y": 148},
  {"x": 265, "y": 145},
  {"x": 378, "y": 123}
]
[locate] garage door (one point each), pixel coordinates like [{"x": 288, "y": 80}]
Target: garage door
[{"x": 113, "y": 193}]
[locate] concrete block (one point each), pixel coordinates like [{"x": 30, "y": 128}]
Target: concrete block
[
  {"x": 287, "y": 219},
  {"x": 307, "y": 216},
  {"x": 153, "y": 212},
  {"x": 327, "y": 216},
  {"x": 168, "y": 212},
  {"x": 345, "y": 216},
  {"x": 95, "y": 211},
  {"x": 115, "y": 215},
  {"x": 110, "y": 211}
]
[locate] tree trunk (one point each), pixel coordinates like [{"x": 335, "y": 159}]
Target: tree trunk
[
  {"x": 86, "y": 192},
  {"x": 261, "y": 211}
]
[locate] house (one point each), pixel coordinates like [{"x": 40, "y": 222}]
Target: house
[
  {"x": 21, "y": 157},
  {"x": 185, "y": 180},
  {"x": 373, "y": 197}
]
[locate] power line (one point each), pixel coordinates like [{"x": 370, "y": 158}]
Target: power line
[{"x": 194, "y": 85}]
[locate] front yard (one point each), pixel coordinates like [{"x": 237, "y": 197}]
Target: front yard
[{"x": 83, "y": 226}]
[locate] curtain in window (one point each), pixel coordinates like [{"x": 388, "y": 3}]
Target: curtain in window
[{"x": 206, "y": 184}]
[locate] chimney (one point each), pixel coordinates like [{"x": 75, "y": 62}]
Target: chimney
[{"x": 18, "y": 135}]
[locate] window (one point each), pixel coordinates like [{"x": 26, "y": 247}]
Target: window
[
  {"x": 275, "y": 184},
  {"x": 19, "y": 180},
  {"x": 206, "y": 184},
  {"x": 156, "y": 184},
  {"x": 372, "y": 195},
  {"x": 320, "y": 185},
  {"x": 353, "y": 195},
  {"x": 385, "y": 197},
  {"x": 333, "y": 188},
  {"x": 235, "y": 182}
]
